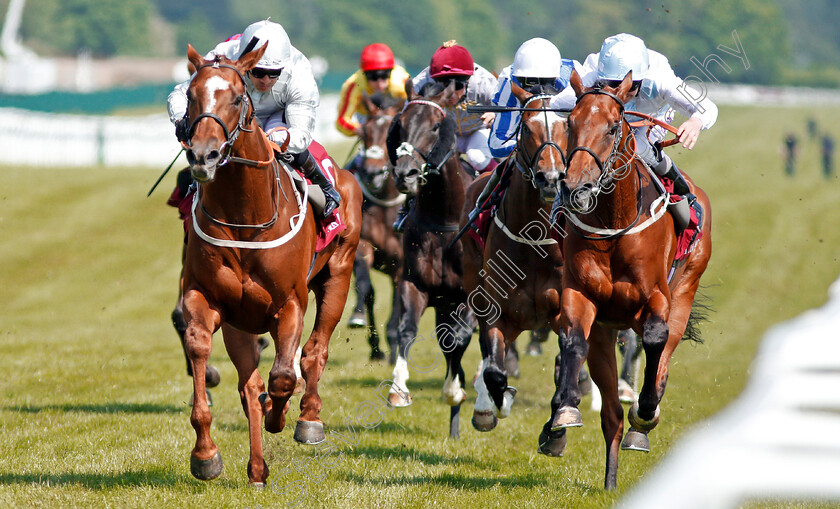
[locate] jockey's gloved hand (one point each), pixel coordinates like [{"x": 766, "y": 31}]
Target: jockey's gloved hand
[
  {"x": 280, "y": 137},
  {"x": 182, "y": 129}
]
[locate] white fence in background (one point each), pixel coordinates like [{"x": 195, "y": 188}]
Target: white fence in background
[
  {"x": 780, "y": 440},
  {"x": 44, "y": 139}
]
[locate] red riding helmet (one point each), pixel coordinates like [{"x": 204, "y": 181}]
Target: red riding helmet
[
  {"x": 376, "y": 56},
  {"x": 451, "y": 59}
]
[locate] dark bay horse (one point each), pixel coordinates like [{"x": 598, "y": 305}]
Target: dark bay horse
[
  {"x": 251, "y": 262},
  {"x": 618, "y": 253},
  {"x": 518, "y": 270},
  {"x": 421, "y": 146},
  {"x": 380, "y": 247}
]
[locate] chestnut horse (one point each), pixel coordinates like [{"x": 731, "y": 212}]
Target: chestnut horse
[
  {"x": 618, "y": 253},
  {"x": 380, "y": 247},
  {"x": 514, "y": 280},
  {"x": 251, "y": 262},
  {"x": 421, "y": 145}
]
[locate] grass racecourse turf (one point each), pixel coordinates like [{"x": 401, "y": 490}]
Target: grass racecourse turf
[{"x": 94, "y": 390}]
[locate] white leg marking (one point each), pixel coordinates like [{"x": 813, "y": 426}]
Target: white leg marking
[{"x": 400, "y": 376}]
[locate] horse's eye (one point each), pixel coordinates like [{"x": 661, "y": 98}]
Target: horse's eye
[
  {"x": 237, "y": 101},
  {"x": 436, "y": 127},
  {"x": 614, "y": 128}
]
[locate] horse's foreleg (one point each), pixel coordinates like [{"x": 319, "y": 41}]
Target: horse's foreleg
[
  {"x": 604, "y": 371},
  {"x": 202, "y": 321},
  {"x": 243, "y": 352},
  {"x": 454, "y": 326},
  {"x": 392, "y": 330},
  {"x": 412, "y": 304},
  {"x": 580, "y": 315},
  {"x": 282, "y": 377},
  {"x": 361, "y": 271}
]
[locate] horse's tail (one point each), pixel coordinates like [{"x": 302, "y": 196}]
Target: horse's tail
[{"x": 700, "y": 311}]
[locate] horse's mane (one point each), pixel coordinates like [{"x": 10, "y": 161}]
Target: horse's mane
[
  {"x": 383, "y": 100},
  {"x": 431, "y": 89}
]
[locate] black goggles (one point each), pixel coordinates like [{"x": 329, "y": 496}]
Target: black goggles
[
  {"x": 380, "y": 74},
  {"x": 460, "y": 82},
  {"x": 262, "y": 73}
]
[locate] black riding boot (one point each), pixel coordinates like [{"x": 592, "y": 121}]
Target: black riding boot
[
  {"x": 313, "y": 172},
  {"x": 681, "y": 210},
  {"x": 402, "y": 214},
  {"x": 491, "y": 184}
]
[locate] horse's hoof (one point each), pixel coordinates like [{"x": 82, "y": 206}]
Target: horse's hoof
[
  {"x": 484, "y": 420},
  {"x": 507, "y": 403},
  {"x": 398, "y": 399},
  {"x": 635, "y": 440},
  {"x": 309, "y": 432},
  {"x": 212, "y": 377},
  {"x": 455, "y": 399},
  {"x": 566, "y": 417},
  {"x": 584, "y": 383},
  {"x": 300, "y": 386},
  {"x": 534, "y": 349},
  {"x": 552, "y": 444},
  {"x": 357, "y": 321},
  {"x": 209, "y": 398},
  {"x": 641, "y": 424},
  {"x": 207, "y": 469},
  {"x": 262, "y": 344},
  {"x": 257, "y": 485},
  {"x": 377, "y": 355},
  {"x": 626, "y": 394}
]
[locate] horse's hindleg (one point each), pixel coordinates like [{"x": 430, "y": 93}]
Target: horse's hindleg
[
  {"x": 512, "y": 359},
  {"x": 205, "y": 458},
  {"x": 242, "y": 349},
  {"x": 330, "y": 296},
  {"x": 644, "y": 414},
  {"x": 604, "y": 371},
  {"x": 454, "y": 326},
  {"x": 553, "y": 442},
  {"x": 282, "y": 378},
  {"x": 412, "y": 304},
  {"x": 629, "y": 366}
]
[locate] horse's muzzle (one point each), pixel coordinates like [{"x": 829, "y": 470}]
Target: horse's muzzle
[
  {"x": 547, "y": 182},
  {"x": 580, "y": 199},
  {"x": 406, "y": 180},
  {"x": 203, "y": 164}
]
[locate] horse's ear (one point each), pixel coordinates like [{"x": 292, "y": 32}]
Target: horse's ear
[
  {"x": 409, "y": 89},
  {"x": 623, "y": 90},
  {"x": 248, "y": 60},
  {"x": 577, "y": 83},
  {"x": 195, "y": 60},
  {"x": 520, "y": 93}
]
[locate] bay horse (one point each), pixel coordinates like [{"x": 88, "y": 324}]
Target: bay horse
[
  {"x": 427, "y": 166},
  {"x": 380, "y": 247},
  {"x": 251, "y": 262},
  {"x": 619, "y": 251},
  {"x": 518, "y": 270}
]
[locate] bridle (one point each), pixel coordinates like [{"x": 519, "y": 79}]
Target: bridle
[
  {"x": 246, "y": 116},
  {"x": 608, "y": 172},
  {"x": 526, "y": 163},
  {"x": 406, "y": 149},
  {"x": 375, "y": 152}
]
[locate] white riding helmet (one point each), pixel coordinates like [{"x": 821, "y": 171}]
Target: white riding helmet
[
  {"x": 278, "y": 54},
  {"x": 537, "y": 58},
  {"x": 620, "y": 54}
]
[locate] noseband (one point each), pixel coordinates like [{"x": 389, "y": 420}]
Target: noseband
[
  {"x": 406, "y": 149},
  {"x": 527, "y": 167},
  {"x": 230, "y": 136}
]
